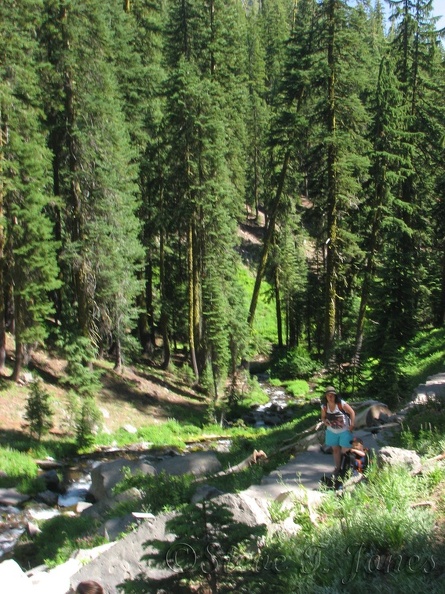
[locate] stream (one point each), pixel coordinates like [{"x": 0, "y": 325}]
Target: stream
[{"x": 76, "y": 475}]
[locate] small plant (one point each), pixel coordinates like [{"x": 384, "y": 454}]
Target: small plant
[
  {"x": 160, "y": 492},
  {"x": 292, "y": 364},
  {"x": 87, "y": 422},
  {"x": 38, "y": 410},
  {"x": 277, "y": 512}
]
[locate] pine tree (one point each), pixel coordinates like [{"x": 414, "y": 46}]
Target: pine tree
[
  {"x": 205, "y": 181},
  {"x": 95, "y": 175},
  {"x": 27, "y": 246}
]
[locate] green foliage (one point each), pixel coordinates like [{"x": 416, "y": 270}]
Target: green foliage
[
  {"x": 264, "y": 332},
  {"x": 84, "y": 383},
  {"x": 424, "y": 356},
  {"x": 210, "y": 547},
  {"x": 38, "y": 411},
  {"x": 160, "y": 492},
  {"x": 293, "y": 363},
  {"x": 253, "y": 395},
  {"x": 424, "y": 426},
  {"x": 80, "y": 375},
  {"x": 298, "y": 388},
  {"x": 87, "y": 422},
  {"x": 19, "y": 470},
  {"x": 61, "y": 536},
  {"x": 277, "y": 512},
  {"x": 370, "y": 539}
]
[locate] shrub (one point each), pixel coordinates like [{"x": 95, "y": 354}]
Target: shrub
[
  {"x": 38, "y": 411},
  {"x": 87, "y": 421},
  {"x": 296, "y": 363},
  {"x": 160, "y": 492}
]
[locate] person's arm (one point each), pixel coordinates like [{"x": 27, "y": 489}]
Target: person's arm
[
  {"x": 347, "y": 408},
  {"x": 323, "y": 416},
  {"x": 357, "y": 452}
]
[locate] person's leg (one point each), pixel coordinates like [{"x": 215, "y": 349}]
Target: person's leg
[
  {"x": 336, "y": 452},
  {"x": 344, "y": 440},
  {"x": 332, "y": 440}
]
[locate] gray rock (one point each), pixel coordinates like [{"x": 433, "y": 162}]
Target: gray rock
[
  {"x": 371, "y": 413},
  {"x": 12, "y": 576},
  {"x": 48, "y": 497},
  {"x": 123, "y": 560},
  {"x": 205, "y": 492},
  {"x": 390, "y": 456},
  {"x": 196, "y": 463},
  {"x": 107, "y": 475},
  {"x": 12, "y": 497},
  {"x": 115, "y": 527},
  {"x": 51, "y": 479}
]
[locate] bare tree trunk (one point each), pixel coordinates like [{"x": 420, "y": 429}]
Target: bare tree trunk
[
  {"x": 332, "y": 165},
  {"x": 3, "y": 140},
  {"x": 278, "y": 309},
  {"x": 192, "y": 302},
  {"x": 20, "y": 349},
  {"x": 268, "y": 237}
]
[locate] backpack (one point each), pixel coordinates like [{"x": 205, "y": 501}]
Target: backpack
[
  {"x": 348, "y": 463},
  {"x": 340, "y": 408}
]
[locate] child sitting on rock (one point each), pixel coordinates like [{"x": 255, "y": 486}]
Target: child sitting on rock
[{"x": 358, "y": 456}]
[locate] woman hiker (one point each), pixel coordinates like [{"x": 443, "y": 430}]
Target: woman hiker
[{"x": 339, "y": 419}]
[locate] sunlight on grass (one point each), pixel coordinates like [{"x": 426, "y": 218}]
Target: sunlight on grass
[{"x": 265, "y": 325}]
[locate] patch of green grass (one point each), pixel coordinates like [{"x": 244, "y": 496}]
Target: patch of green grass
[
  {"x": 20, "y": 469},
  {"x": 370, "y": 539},
  {"x": 298, "y": 388},
  {"x": 424, "y": 356},
  {"x": 160, "y": 492},
  {"x": 61, "y": 536}
]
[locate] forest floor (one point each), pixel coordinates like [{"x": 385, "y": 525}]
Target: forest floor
[{"x": 136, "y": 396}]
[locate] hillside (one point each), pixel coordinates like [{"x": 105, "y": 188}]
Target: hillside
[
  {"x": 139, "y": 395},
  {"x": 134, "y": 397}
]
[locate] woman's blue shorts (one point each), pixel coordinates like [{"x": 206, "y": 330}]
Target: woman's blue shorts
[{"x": 342, "y": 439}]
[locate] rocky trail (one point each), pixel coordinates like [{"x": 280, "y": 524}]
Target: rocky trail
[{"x": 298, "y": 479}]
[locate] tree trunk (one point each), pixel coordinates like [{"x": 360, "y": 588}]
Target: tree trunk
[
  {"x": 278, "y": 308},
  {"x": 270, "y": 228},
  {"x": 20, "y": 350},
  {"x": 164, "y": 317},
  {"x": 192, "y": 301},
  {"x": 118, "y": 355},
  {"x": 3, "y": 138},
  {"x": 332, "y": 191}
]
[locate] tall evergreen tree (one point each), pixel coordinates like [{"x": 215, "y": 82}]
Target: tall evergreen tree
[
  {"x": 204, "y": 176},
  {"x": 95, "y": 176},
  {"x": 27, "y": 249}
]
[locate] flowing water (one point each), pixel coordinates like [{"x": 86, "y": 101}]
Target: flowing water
[{"x": 76, "y": 480}]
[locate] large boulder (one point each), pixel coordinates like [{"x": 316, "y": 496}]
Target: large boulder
[
  {"x": 372, "y": 414},
  {"x": 390, "y": 456},
  {"x": 10, "y": 496},
  {"x": 124, "y": 561},
  {"x": 107, "y": 475},
  {"x": 13, "y": 577},
  {"x": 196, "y": 463}
]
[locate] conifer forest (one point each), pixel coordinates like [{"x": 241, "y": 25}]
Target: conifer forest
[{"x": 137, "y": 136}]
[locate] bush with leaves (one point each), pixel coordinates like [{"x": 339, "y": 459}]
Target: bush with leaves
[
  {"x": 371, "y": 539},
  {"x": 84, "y": 383},
  {"x": 38, "y": 411},
  {"x": 161, "y": 492},
  {"x": 293, "y": 363}
]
